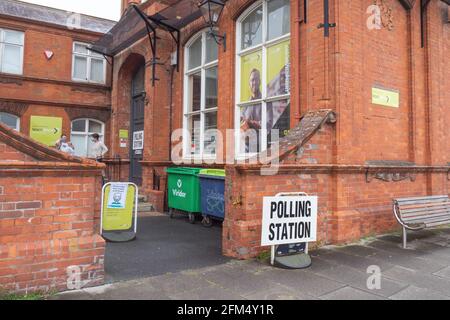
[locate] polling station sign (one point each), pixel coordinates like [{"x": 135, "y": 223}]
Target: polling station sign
[{"x": 289, "y": 220}]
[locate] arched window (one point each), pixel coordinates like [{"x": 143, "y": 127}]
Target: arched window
[
  {"x": 80, "y": 134},
  {"x": 262, "y": 75},
  {"x": 10, "y": 120},
  {"x": 200, "y": 96}
]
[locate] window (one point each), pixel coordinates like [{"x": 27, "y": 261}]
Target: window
[
  {"x": 10, "y": 120},
  {"x": 11, "y": 51},
  {"x": 87, "y": 65},
  {"x": 262, "y": 75},
  {"x": 200, "y": 96},
  {"x": 80, "y": 135}
]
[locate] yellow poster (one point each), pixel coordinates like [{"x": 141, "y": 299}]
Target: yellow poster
[
  {"x": 46, "y": 130},
  {"x": 121, "y": 217},
  {"x": 278, "y": 69},
  {"x": 251, "y": 71}
]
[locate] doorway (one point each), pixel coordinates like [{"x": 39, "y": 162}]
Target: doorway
[{"x": 137, "y": 125}]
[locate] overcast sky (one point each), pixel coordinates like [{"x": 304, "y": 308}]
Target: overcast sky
[{"x": 108, "y": 9}]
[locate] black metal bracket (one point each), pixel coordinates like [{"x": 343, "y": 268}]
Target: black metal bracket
[
  {"x": 220, "y": 40},
  {"x": 423, "y": 12},
  {"x": 305, "y": 11},
  {"x": 326, "y": 25}
]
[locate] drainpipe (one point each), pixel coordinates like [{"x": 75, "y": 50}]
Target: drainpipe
[{"x": 172, "y": 70}]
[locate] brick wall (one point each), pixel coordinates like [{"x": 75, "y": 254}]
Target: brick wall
[{"x": 335, "y": 73}]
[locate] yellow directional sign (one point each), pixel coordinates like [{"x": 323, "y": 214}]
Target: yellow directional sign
[
  {"x": 388, "y": 98},
  {"x": 46, "y": 130}
]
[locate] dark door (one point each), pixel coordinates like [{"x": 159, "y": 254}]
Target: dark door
[{"x": 137, "y": 126}]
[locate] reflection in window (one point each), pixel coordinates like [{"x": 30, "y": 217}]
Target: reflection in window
[
  {"x": 200, "y": 99},
  {"x": 11, "y": 51},
  {"x": 10, "y": 120},
  {"x": 80, "y": 136}
]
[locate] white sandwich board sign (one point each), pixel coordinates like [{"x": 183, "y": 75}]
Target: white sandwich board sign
[{"x": 289, "y": 219}]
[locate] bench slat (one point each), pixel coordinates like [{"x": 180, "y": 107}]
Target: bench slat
[
  {"x": 421, "y": 212},
  {"x": 425, "y": 205},
  {"x": 430, "y": 198},
  {"x": 425, "y": 219}
]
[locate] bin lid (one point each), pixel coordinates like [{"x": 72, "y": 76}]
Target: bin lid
[
  {"x": 213, "y": 172},
  {"x": 183, "y": 170}
]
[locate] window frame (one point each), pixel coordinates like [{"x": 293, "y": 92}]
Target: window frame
[
  {"x": 89, "y": 56},
  {"x": 187, "y": 114},
  {"x": 263, "y": 48},
  {"x": 16, "y": 117},
  {"x": 86, "y": 133},
  {"x": 2, "y": 47}
]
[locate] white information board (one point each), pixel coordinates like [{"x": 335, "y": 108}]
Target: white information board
[
  {"x": 289, "y": 219},
  {"x": 117, "y": 195}
]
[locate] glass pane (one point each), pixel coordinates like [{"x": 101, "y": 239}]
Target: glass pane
[
  {"x": 9, "y": 120},
  {"x": 80, "y": 68},
  {"x": 97, "y": 70},
  {"x": 278, "y": 69},
  {"x": 251, "y": 29},
  {"x": 279, "y": 17},
  {"x": 278, "y": 120},
  {"x": 79, "y": 142},
  {"x": 89, "y": 147},
  {"x": 80, "y": 48},
  {"x": 250, "y": 127},
  {"x": 95, "y": 127},
  {"x": 195, "y": 85},
  {"x": 194, "y": 131},
  {"x": 79, "y": 125},
  {"x": 210, "y": 133},
  {"x": 12, "y": 59},
  {"x": 14, "y": 37},
  {"x": 211, "y": 88},
  {"x": 251, "y": 66},
  {"x": 195, "y": 54},
  {"x": 212, "y": 49}
]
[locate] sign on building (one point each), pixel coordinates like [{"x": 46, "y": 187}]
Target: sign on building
[
  {"x": 46, "y": 130},
  {"x": 289, "y": 219},
  {"x": 387, "y": 98},
  {"x": 138, "y": 140},
  {"x": 119, "y": 211}
]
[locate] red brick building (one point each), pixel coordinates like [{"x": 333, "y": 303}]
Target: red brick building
[
  {"x": 47, "y": 71},
  {"x": 364, "y": 95}
]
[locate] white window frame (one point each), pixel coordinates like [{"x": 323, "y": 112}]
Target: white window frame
[
  {"x": 17, "y": 128},
  {"x": 86, "y": 132},
  {"x": 89, "y": 56},
  {"x": 187, "y": 98},
  {"x": 2, "y": 46},
  {"x": 263, "y": 46}
]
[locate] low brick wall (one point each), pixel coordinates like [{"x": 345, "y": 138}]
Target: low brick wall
[{"x": 47, "y": 236}]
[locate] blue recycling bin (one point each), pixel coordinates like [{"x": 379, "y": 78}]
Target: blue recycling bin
[{"x": 212, "y": 194}]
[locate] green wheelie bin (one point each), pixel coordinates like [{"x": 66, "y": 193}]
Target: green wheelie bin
[{"x": 183, "y": 191}]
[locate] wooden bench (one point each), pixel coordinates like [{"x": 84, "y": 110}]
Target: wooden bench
[{"x": 420, "y": 213}]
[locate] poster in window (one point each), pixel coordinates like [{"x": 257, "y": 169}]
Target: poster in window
[
  {"x": 251, "y": 70},
  {"x": 278, "y": 84}
]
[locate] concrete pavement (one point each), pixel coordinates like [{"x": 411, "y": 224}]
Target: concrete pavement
[{"x": 420, "y": 272}]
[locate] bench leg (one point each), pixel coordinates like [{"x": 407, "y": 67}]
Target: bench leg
[{"x": 404, "y": 237}]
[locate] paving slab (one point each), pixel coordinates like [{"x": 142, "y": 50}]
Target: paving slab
[
  {"x": 213, "y": 292},
  {"x": 358, "y": 280},
  {"x": 419, "y": 279},
  {"x": 349, "y": 293},
  {"x": 304, "y": 282},
  {"x": 415, "y": 293}
]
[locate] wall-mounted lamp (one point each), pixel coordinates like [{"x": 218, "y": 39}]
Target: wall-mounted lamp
[{"x": 212, "y": 11}]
